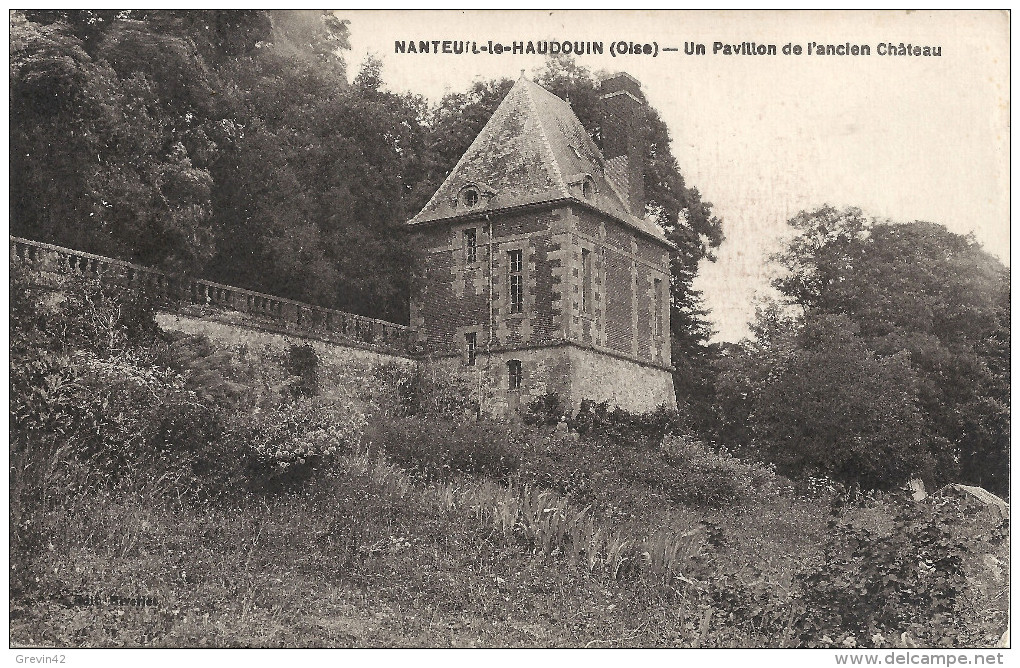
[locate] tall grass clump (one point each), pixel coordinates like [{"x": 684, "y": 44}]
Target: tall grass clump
[{"x": 550, "y": 526}]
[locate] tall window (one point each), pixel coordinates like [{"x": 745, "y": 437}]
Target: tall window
[
  {"x": 470, "y": 245},
  {"x": 471, "y": 342},
  {"x": 514, "y": 374},
  {"x": 516, "y": 275},
  {"x": 658, "y": 307},
  {"x": 586, "y": 285}
]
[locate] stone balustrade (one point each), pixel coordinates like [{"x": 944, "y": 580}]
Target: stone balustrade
[{"x": 177, "y": 292}]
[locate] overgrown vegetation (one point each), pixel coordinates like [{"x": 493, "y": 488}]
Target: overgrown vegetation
[
  {"x": 425, "y": 390},
  {"x": 164, "y": 493},
  {"x": 435, "y": 449},
  {"x": 234, "y": 487}
]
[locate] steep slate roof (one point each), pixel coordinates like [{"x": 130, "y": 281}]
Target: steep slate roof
[{"x": 534, "y": 150}]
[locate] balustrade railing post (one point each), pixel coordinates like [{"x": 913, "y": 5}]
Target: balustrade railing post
[{"x": 176, "y": 291}]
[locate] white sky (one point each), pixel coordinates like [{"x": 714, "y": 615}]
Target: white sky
[{"x": 908, "y": 138}]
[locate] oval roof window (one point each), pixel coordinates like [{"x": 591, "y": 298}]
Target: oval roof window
[{"x": 469, "y": 197}]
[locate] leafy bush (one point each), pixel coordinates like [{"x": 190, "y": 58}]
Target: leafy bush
[
  {"x": 207, "y": 370},
  {"x": 426, "y": 390},
  {"x": 100, "y": 317},
  {"x": 278, "y": 449},
  {"x": 622, "y": 426},
  {"x": 436, "y": 449},
  {"x": 603, "y": 471},
  {"x": 547, "y": 409},
  {"x": 816, "y": 400},
  {"x": 303, "y": 362},
  {"x": 701, "y": 476},
  {"x": 873, "y": 587}
]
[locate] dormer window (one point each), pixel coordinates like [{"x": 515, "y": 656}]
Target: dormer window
[
  {"x": 588, "y": 188},
  {"x": 469, "y": 197}
]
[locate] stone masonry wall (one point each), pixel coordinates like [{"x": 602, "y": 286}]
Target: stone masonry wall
[
  {"x": 454, "y": 296},
  {"x": 574, "y": 373},
  {"x": 543, "y": 369},
  {"x": 227, "y": 331},
  {"x": 626, "y": 266},
  {"x": 601, "y": 377}
]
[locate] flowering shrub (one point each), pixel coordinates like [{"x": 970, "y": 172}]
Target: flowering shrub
[{"x": 281, "y": 447}]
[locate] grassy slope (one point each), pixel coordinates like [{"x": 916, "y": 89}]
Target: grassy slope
[{"x": 364, "y": 558}]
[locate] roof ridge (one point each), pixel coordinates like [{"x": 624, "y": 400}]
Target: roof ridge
[
  {"x": 550, "y": 93},
  {"x": 611, "y": 180},
  {"x": 550, "y": 155}
]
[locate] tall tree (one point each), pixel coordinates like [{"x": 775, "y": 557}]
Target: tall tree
[
  {"x": 314, "y": 182},
  {"x": 813, "y": 398},
  {"x": 224, "y": 143},
  {"x": 98, "y": 154},
  {"x": 938, "y": 298}
]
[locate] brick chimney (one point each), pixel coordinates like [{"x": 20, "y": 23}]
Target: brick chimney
[{"x": 624, "y": 134}]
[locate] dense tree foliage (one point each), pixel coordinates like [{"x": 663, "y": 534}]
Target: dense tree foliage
[
  {"x": 913, "y": 295},
  {"x": 218, "y": 142},
  {"x": 98, "y": 150},
  {"x": 817, "y": 399}
]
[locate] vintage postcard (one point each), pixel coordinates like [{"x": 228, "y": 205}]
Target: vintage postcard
[{"x": 579, "y": 329}]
